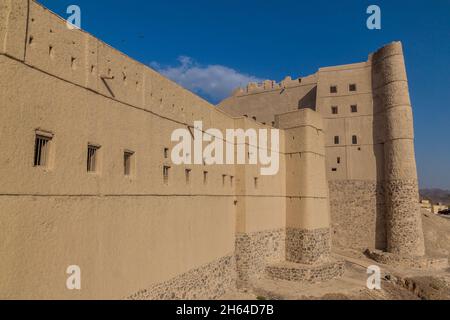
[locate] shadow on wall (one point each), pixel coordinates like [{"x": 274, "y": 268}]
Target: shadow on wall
[
  {"x": 378, "y": 150},
  {"x": 309, "y": 100}
]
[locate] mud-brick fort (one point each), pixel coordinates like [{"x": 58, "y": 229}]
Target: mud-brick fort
[{"x": 86, "y": 177}]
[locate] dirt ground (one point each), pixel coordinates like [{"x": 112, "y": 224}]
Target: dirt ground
[
  {"x": 437, "y": 234},
  {"x": 396, "y": 284}
]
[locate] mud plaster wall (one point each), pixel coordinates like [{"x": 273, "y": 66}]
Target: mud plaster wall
[{"x": 127, "y": 233}]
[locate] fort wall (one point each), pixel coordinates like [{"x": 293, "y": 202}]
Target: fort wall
[
  {"x": 355, "y": 168},
  {"x": 137, "y": 236}
]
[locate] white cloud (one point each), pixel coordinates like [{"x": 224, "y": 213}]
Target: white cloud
[{"x": 214, "y": 82}]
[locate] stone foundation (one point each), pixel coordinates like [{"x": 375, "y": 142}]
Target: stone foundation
[
  {"x": 205, "y": 283},
  {"x": 407, "y": 261},
  {"x": 358, "y": 214},
  {"x": 404, "y": 224},
  {"x": 255, "y": 250},
  {"x": 307, "y": 246},
  {"x": 306, "y": 272}
]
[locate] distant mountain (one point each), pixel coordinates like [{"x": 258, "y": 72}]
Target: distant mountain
[{"x": 436, "y": 195}]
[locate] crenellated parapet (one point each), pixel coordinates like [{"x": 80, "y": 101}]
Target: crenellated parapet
[{"x": 271, "y": 85}]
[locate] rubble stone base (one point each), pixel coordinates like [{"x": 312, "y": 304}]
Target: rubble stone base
[
  {"x": 207, "y": 282},
  {"x": 407, "y": 261},
  {"x": 307, "y": 246},
  {"x": 255, "y": 250},
  {"x": 404, "y": 222},
  {"x": 304, "y": 272}
]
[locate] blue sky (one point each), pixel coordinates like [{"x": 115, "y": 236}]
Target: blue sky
[{"x": 212, "y": 46}]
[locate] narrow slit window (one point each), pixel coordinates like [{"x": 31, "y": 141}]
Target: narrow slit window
[
  {"x": 255, "y": 181},
  {"x": 338, "y": 160},
  {"x": 354, "y": 140},
  {"x": 166, "y": 170},
  {"x": 205, "y": 177},
  {"x": 41, "y": 150},
  {"x": 187, "y": 172},
  {"x": 166, "y": 153},
  {"x": 333, "y": 89},
  {"x": 354, "y": 108},
  {"x": 224, "y": 177},
  {"x": 128, "y": 162},
  {"x": 92, "y": 158},
  {"x": 334, "y": 169},
  {"x": 334, "y": 110},
  {"x": 231, "y": 181},
  {"x": 336, "y": 140}
]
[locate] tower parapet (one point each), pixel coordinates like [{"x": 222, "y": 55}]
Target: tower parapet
[
  {"x": 391, "y": 94},
  {"x": 270, "y": 85}
]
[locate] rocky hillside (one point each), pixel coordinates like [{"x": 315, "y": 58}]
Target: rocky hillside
[{"x": 436, "y": 195}]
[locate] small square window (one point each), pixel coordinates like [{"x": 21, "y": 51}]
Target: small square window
[
  {"x": 128, "y": 162},
  {"x": 334, "y": 110},
  {"x": 352, "y": 87},
  {"x": 334, "y": 169},
  {"x": 333, "y": 89},
  {"x": 336, "y": 140},
  {"x": 205, "y": 177},
  {"x": 354, "y": 108},
  {"x": 354, "y": 140},
  {"x": 166, "y": 170},
  {"x": 92, "y": 158},
  {"x": 42, "y": 150},
  {"x": 187, "y": 172}
]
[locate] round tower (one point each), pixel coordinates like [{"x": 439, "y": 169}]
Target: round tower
[{"x": 391, "y": 97}]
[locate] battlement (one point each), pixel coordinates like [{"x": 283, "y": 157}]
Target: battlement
[
  {"x": 271, "y": 85},
  {"x": 33, "y": 34}
]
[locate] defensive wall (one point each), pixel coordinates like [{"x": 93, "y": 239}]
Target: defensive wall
[{"x": 160, "y": 230}]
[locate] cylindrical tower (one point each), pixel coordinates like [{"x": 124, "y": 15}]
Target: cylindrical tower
[{"x": 391, "y": 96}]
